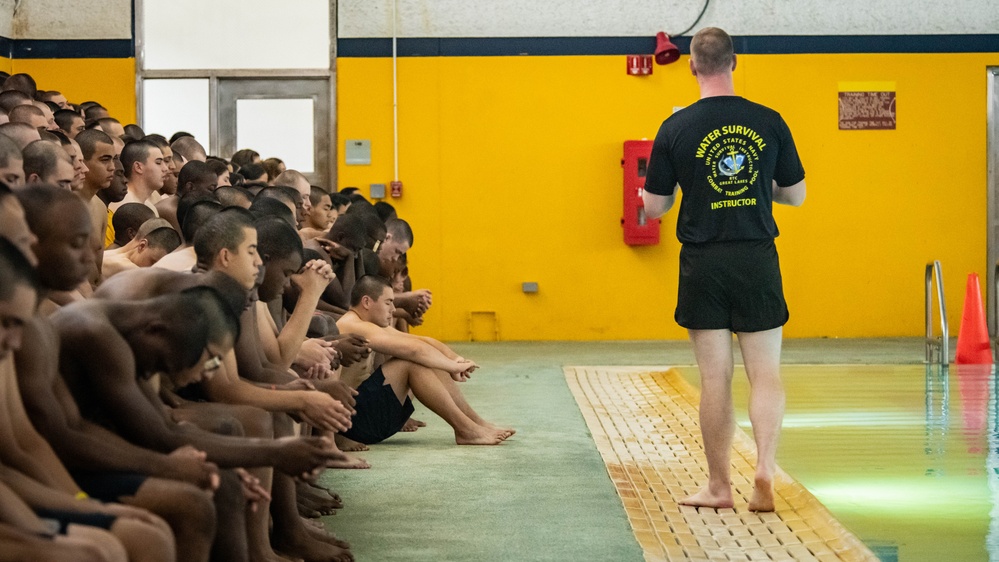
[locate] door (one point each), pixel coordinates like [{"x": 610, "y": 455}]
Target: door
[{"x": 287, "y": 118}]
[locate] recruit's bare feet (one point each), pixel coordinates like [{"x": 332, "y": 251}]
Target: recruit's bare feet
[
  {"x": 307, "y": 511},
  {"x": 322, "y": 534},
  {"x": 707, "y": 498},
  {"x": 352, "y": 461},
  {"x": 479, "y": 436},
  {"x": 763, "y": 495},
  {"x": 316, "y": 496},
  {"x": 507, "y": 431},
  {"x": 326, "y": 491},
  {"x": 310, "y": 549},
  {"x": 412, "y": 425},
  {"x": 345, "y": 444},
  {"x": 315, "y": 507},
  {"x": 270, "y": 557},
  {"x": 312, "y": 523}
]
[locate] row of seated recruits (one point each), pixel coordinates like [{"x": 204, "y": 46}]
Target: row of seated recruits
[{"x": 187, "y": 343}]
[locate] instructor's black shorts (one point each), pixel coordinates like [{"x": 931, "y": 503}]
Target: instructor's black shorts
[
  {"x": 730, "y": 286},
  {"x": 379, "y": 413}
]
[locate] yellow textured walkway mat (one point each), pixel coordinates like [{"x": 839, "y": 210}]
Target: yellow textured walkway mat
[{"x": 645, "y": 427}]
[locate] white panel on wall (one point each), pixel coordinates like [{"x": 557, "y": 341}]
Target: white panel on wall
[
  {"x": 243, "y": 34},
  {"x": 282, "y": 128},
  {"x": 6, "y": 18},
  {"x": 171, "y": 105},
  {"x": 59, "y": 19},
  {"x": 586, "y": 18}
]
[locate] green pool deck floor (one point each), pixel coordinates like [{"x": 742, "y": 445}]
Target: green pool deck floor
[{"x": 543, "y": 495}]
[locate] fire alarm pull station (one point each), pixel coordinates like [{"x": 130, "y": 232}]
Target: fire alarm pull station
[
  {"x": 639, "y": 230},
  {"x": 639, "y": 65}
]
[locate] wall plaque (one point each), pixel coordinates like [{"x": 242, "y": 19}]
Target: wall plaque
[{"x": 867, "y": 106}]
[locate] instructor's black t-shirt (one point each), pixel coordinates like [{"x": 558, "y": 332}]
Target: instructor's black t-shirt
[{"x": 724, "y": 152}]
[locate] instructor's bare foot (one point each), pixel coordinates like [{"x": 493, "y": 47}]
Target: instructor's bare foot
[
  {"x": 479, "y": 436},
  {"x": 763, "y": 495},
  {"x": 706, "y": 498},
  {"x": 345, "y": 444}
]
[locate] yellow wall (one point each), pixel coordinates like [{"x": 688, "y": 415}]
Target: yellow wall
[
  {"x": 108, "y": 81},
  {"x": 5, "y": 64},
  {"x": 511, "y": 173}
]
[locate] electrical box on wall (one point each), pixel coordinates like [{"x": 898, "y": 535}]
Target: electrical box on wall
[
  {"x": 639, "y": 230},
  {"x": 357, "y": 152}
]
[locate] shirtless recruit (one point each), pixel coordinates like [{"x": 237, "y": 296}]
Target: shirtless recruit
[
  {"x": 165, "y": 345},
  {"x": 424, "y": 365},
  {"x": 23, "y": 535},
  {"x": 228, "y": 246},
  {"x": 35, "y": 472},
  {"x": 105, "y": 465}
]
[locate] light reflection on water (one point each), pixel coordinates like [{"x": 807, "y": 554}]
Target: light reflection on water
[{"x": 906, "y": 457}]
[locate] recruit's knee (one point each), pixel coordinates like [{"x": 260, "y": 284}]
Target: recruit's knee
[
  {"x": 145, "y": 542},
  {"x": 255, "y": 422},
  {"x": 106, "y": 544},
  {"x": 284, "y": 426},
  {"x": 195, "y": 511},
  {"x": 184, "y": 506}
]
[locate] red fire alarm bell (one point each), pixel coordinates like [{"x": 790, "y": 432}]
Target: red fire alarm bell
[
  {"x": 639, "y": 230},
  {"x": 639, "y": 65},
  {"x": 396, "y": 188}
]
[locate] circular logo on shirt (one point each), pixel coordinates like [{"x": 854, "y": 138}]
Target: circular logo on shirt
[
  {"x": 731, "y": 158},
  {"x": 731, "y": 164}
]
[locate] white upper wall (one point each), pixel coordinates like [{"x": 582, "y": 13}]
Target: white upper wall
[
  {"x": 612, "y": 18},
  {"x": 243, "y": 34},
  {"x": 111, "y": 19},
  {"x": 69, "y": 19}
]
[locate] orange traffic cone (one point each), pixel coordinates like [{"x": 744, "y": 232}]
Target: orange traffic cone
[{"x": 973, "y": 346}]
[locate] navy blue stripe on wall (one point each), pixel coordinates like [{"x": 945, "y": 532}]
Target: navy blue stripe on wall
[
  {"x": 755, "y": 44},
  {"x": 67, "y": 48},
  {"x": 72, "y": 49}
]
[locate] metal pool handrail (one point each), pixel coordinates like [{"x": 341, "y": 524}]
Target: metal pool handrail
[{"x": 932, "y": 343}]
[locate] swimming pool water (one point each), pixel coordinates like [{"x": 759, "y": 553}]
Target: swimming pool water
[{"x": 905, "y": 456}]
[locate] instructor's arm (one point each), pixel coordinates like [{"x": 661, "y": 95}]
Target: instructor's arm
[
  {"x": 793, "y": 195},
  {"x": 657, "y": 205}
]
